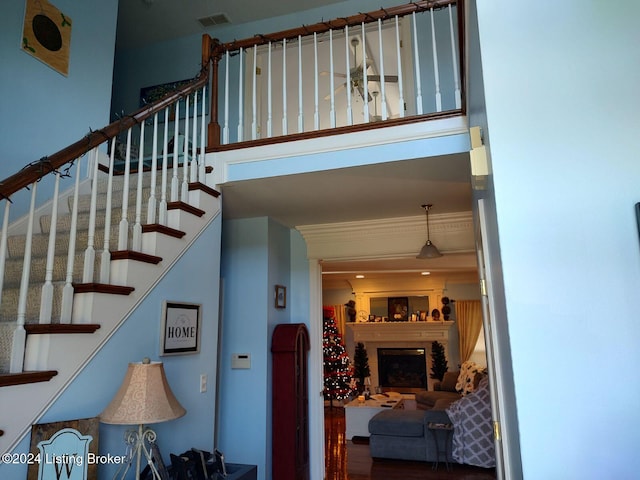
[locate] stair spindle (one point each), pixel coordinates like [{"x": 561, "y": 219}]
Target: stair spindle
[
  {"x": 105, "y": 259},
  {"x": 136, "y": 242},
  {"x": 184, "y": 194},
  {"x": 152, "y": 203},
  {"x": 67, "y": 291},
  {"x": 19, "y": 335},
  {"x": 90, "y": 252},
  {"x": 436, "y": 71},
  {"x": 416, "y": 62},
  {"x": 454, "y": 59},
  {"x": 401, "y": 108},
  {"x": 162, "y": 211},
  {"x": 194, "y": 142},
  {"x": 203, "y": 130},
  {"x": 123, "y": 232},
  {"x": 46, "y": 297}
]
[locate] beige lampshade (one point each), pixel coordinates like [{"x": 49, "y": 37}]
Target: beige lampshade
[{"x": 144, "y": 397}]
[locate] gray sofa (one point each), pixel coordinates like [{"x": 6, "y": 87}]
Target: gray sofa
[{"x": 404, "y": 435}]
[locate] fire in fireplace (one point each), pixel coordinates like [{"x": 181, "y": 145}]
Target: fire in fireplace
[{"x": 402, "y": 368}]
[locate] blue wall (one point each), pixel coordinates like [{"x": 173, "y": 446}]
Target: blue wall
[
  {"x": 194, "y": 279},
  {"x": 258, "y": 253},
  {"x": 43, "y": 111},
  {"x": 562, "y": 110}
]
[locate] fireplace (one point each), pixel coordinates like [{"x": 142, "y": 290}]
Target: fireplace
[
  {"x": 399, "y": 335},
  {"x": 400, "y": 368}
]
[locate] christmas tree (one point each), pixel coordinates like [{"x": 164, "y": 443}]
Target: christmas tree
[
  {"x": 361, "y": 365},
  {"x": 337, "y": 371},
  {"x": 438, "y": 361}
]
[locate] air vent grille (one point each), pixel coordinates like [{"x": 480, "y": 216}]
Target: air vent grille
[{"x": 213, "y": 20}]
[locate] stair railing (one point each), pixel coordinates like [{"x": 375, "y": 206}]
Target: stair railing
[
  {"x": 178, "y": 152},
  {"x": 386, "y": 67}
]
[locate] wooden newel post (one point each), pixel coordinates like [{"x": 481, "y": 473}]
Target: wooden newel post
[{"x": 212, "y": 52}]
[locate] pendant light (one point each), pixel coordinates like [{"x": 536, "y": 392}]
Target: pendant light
[{"x": 429, "y": 250}]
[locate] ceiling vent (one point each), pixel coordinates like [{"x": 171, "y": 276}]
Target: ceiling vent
[{"x": 213, "y": 20}]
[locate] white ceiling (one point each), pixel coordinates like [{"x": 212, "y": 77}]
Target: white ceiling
[{"x": 143, "y": 22}]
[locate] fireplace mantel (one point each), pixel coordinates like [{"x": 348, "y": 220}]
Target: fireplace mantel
[
  {"x": 400, "y": 331},
  {"x": 399, "y": 335}
]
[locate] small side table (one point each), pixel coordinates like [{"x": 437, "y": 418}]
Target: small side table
[{"x": 447, "y": 429}]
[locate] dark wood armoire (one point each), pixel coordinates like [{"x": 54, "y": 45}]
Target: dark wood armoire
[{"x": 290, "y": 429}]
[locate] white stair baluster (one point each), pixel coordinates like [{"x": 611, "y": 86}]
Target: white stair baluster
[
  {"x": 19, "y": 335},
  {"x": 3, "y": 243},
  {"x": 300, "y": 97},
  {"x": 162, "y": 210},
  {"x": 332, "y": 93},
  {"x": 184, "y": 194},
  {"x": 240, "y": 98},
  {"x": 254, "y": 108},
  {"x": 348, "y": 70},
  {"x": 365, "y": 82},
  {"x": 193, "y": 172},
  {"x": 269, "y": 95},
  {"x": 123, "y": 231},
  {"x": 383, "y": 96},
  {"x": 416, "y": 61},
  {"x": 136, "y": 243},
  {"x": 400, "y": 85},
  {"x": 203, "y": 130},
  {"x": 46, "y": 297},
  {"x": 285, "y": 127},
  {"x": 176, "y": 143},
  {"x": 316, "y": 113},
  {"x": 105, "y": 257},
  {"x": 225, "y": 128},
  {"x": 436, "y": 71},
  {"x": 67, "y": 291},
  {"x": 90, "y": 252},
  {"x": 454, "y": 60},
  {"x": 152, "y": 202}
]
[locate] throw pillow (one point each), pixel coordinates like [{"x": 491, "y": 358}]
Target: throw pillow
[
  {"x": 466, "y": 383},
  {"x": 449, "y": 381}
]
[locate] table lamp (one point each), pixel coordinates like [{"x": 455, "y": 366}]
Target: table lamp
[{"x": 143, "y": 398}]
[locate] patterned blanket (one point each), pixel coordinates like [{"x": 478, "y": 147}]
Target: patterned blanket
[{"x": 473, "y": 432}]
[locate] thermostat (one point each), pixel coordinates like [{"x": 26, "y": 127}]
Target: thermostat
[{"x": 241, "y": 360}]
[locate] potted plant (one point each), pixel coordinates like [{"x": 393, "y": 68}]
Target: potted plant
[{"x": 361, "y": 365}]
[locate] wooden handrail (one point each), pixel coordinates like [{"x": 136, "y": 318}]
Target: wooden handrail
[{"x": 38, "y": 169}]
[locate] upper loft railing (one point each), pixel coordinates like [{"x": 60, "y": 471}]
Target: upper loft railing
[{"x": 386, "y": 67}]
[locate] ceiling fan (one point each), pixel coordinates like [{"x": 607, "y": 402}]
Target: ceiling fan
[{"x": 356, "y": 75}]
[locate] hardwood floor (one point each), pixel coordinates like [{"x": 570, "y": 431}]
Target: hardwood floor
[{"x": 345, "y": 460}]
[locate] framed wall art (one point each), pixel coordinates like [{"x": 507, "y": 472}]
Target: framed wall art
[
  {"x": 281, "y": 296},
  {"x": 46, "y": 35},
  {"x": 398, "y": 309},
  {"x": 181, "y": 325}
]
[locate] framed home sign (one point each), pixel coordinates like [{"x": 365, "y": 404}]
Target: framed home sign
[{"x": 181, "y": 324}]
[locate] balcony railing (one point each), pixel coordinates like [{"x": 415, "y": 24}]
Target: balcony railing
[{"x": 389, "y": 66}]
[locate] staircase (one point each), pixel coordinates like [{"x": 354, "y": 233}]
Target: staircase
[
  {"x": 55, "y": 352},
  {"x": 124, "y": 228}
]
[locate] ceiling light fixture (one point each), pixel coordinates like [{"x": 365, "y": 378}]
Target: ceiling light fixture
[{"x": 429, "y": 250}]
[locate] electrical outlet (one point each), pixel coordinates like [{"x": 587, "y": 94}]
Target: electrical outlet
[{"x": 203, "y": 383}]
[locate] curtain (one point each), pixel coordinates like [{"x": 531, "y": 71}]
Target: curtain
[
  {"x": 341, "y": 318},
  {"x": 469, "y": 317}
]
